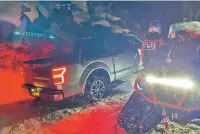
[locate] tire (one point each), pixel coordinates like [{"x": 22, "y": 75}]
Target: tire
[{"x": 95, "y": 88}]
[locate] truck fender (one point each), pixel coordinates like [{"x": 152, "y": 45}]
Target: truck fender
[{"x": 90, "y": 69}]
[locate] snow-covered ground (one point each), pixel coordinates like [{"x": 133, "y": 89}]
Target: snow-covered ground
[{"x": 27, "y": 118}]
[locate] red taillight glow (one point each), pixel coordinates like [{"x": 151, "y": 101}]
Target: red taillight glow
[
  {"x": 22, "y": 72},
  {"x": 58, "y": 75}
]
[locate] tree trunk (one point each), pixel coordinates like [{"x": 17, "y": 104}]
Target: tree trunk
[
  {"x": 187, "y": 9},
  {"x": 190, "y": 16}
]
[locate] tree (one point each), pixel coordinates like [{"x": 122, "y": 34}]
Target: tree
[{"x": 190, "y": 9}]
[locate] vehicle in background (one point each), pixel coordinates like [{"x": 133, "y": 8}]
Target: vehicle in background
[
  {"x": 93, "y": 63},
  {"x": 184, "y": 30}
]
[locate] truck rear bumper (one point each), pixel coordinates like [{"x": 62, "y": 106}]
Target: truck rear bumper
[{"x": 51, "y": 95}]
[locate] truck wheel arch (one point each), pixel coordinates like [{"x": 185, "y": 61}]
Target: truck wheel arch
[{"x": 90, "y": 71}]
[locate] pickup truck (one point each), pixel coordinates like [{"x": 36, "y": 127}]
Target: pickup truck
[{"x": 86, "y": 70}]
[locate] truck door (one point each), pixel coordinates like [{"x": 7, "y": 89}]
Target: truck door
[
  {"x": 133, "y": 46},
  {"x": 124, "y": 58}
]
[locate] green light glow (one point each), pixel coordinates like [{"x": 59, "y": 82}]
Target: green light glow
[{"x": 32, "y": 34}]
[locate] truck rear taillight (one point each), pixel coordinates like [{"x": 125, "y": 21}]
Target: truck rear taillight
[{"x": 58, "y": 75}]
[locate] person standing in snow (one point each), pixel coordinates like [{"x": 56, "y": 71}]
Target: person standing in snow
[{"x": 153, "y": 40}]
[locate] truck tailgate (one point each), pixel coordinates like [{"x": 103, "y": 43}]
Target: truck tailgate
[{"x": 38, "y": 75}]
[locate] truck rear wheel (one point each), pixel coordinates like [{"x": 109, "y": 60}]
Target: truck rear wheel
[{"x": 95, "y": 88}]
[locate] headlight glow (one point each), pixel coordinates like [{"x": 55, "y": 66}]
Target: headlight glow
[{"x": 174, "y": 82}]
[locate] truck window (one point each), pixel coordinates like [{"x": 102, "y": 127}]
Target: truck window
[
  {"x": 93, "y": 49},
  {"x": 116, "y": 44},
  {"x": 128, "y": 43},
  {"x": 133, "y": 43}
]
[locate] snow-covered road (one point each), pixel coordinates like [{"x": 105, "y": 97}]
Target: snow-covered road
[{"x": 24, "y": 117}]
